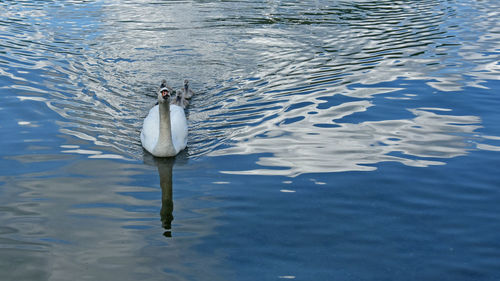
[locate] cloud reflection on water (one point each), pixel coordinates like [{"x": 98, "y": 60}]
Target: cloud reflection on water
[
  {"x": 304, "y": 147},
  {"x": 264, "y": 71},
  {"x": 379, "y": 51}
]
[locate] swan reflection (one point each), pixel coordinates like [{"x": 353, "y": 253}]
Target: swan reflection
[
  {"x": 165, "y": 167},
  {"x": 167, "y": 204}
]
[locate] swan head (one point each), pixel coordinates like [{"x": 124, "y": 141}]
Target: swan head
[
  {"x": 164, "y": 92},
  {"x": 186, "y": 84},
  {"x": 164, "y": 95}
]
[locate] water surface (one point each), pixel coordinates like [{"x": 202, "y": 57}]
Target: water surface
[{"x": 328, "y": 140}]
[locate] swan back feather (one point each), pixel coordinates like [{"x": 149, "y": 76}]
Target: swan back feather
[{"x": 150, "y": 134}]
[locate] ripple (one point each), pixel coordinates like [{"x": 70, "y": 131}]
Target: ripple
[
  {"x": 301, "y": 67},
  {"x": 308, "y": 76},
  {"x": 297, "y": 89}
]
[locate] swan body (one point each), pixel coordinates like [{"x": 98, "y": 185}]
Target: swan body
[
  {"x": 186, "y": 92},
  {"x": 164, "y": 132},
  {"x": 179, "y": 100},
  {"x": 183, "y": 95}
]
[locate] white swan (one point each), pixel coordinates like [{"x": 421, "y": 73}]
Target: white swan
[{"x": 164, "y": 132}]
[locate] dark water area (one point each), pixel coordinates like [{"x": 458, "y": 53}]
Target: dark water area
[{"x": 328, "y": 140}]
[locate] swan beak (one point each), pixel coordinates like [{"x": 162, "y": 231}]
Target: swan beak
[{"x": 165, "y": 94}]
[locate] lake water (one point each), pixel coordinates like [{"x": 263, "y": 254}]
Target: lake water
[{"x": 328, "y": 140}]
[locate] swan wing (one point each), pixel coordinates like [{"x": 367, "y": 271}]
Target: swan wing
[
  {"x": 150, "y": 129},
  {"x": 179, "y": 127}
]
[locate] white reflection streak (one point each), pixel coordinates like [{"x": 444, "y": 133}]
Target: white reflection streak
[{"x": 302, "y": 147}]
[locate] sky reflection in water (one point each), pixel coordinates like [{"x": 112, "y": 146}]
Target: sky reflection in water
[
  {"x": 303, "y": 92},
  {"x": 299, "y": 59}
]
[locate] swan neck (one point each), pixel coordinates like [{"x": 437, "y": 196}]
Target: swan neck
[{"x": 165, "y": 138}]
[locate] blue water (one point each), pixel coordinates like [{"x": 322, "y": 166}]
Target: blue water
[{"x": 328, "y": 140}]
